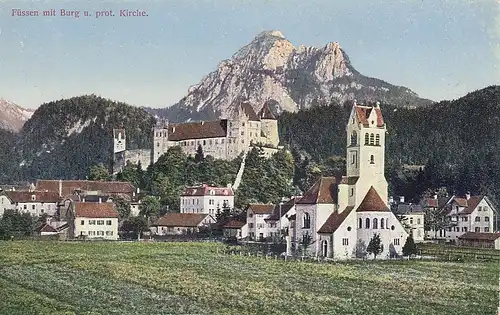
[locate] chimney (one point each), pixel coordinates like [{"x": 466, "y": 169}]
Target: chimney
[
  {"x": 467, "y": 195},
  {"x": 60, "y": 188},
  {"x": 391, "y": 200},
  {"x": 100, "y": 200},
  {"x": 402, "y": 199}
]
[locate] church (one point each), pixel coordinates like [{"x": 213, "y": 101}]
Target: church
[{"x": 338, "y": 216}]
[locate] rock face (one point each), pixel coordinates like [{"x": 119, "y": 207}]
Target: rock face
[
  {"x": 271, "y": 68},
  {"x": 13, "y": 116}
]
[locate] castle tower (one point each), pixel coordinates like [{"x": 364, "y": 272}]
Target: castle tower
[
  {"x": 269, "y": 124},
  {"x": 160, "y": 140},
  {"x": 119, "y": 147},
  {"x": 365, "y": 153}
]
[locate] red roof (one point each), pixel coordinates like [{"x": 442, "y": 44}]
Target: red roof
[
  {"x": 261, "y": 208},
  {"x": 462, "y": 202},
  {"x": 234, "y": 224},
  {"x": 181, "y": 219},
  {"x": 33, "y": 196},
  {"x": 335, "y": 220},
  {"x": 363, "y": 113},
  {"x": 475, "y": 236},
  {"x": 372, "y": 202},
  {"x": 197, "y": 130},
  {"x": 69, "y": 186},
  {"x": 48, "y": 229},
  {"x": 95, "y": 210},
  {"x": 325, "y": 190},
  {"x": 472, "y": 203},
  {"x": 205, "y": 190}
]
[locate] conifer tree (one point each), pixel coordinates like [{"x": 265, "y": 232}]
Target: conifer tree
[
  {"x": 375, "y": 246},
  {"x": 410, "y": 248}
]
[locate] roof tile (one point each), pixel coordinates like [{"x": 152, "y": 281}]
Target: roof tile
[
  {"x": 95, "y": 210},
  {"x": 181, "y": 219},
  {"x": 335, "y": 220}
]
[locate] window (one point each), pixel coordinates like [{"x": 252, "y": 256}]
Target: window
[
  {"x": 260, "y": 225},
  {"x": 33, "y": 207},
  {"x": 250, "y": 214},
  {"x": 306, "y": 223},
  {"x": 480, "y": 208},
  {"x": 82, "y": 222},
  {"x": 25, "y": 207},
  {"x": 91, "y": 222},
  {"x": 250, "y": 225},
  {"x": 242, "y": 133},
  {"x": 392, "y": 227},
  {"x": 108, "y": 222},
  {"x": 345, "y": 241},
  {"x": 396, "y": 241},
  {"x": 377, "y": 139},
  {"x": 375, "y": 223},
  {"x": 352, "y": 192},
  {"x": 411, "y": 220},
  {"x": 486, "y": 229},
  {"x": 367, "y": 223},
  {"x": 478, "y": 219},
  {"x": 100, "y": 222},
  {"x": 372, "y": 139},
  {"x": 204, "y": 142},
  {"x": 349, "y": 229},
  {"x": 360, "y": 223},
  {"x": 382, "y": 223},
  {"x": 367, "y": 137},
  {"x": 486, "y": 219},
  {"x": 353, "y": 161},
  {"x": 418, "y": 221},
  {"x": 477, "y": 229},
  {"x": 354, "y": 138},
  {"x": 109, "y": 233},
  {"x": 372, "y": 159},
  {"x": 466, "y": 219}
]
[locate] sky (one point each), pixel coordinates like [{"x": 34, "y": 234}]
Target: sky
[{"x": 441, "y": 49}]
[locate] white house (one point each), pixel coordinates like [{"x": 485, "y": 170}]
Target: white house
[
  {"x": 181, "y": 223},
  {"x": 206, "y": 199},
  {"x": 412, "y": 217},
  {"x": 34, "y": 202},
  {"x": 338, "y": 216},
  {"x": 95, "y": 220},
  {"x": 467, "y": 214}
]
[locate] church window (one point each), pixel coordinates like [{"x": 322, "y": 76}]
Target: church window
[
  {"x": 353, "y": 121},
  {"x": 367, "y": 139},
  {"x": 349, "y": 229},
  {"x": 367, "y": 223},
  {"x": 306, "y": 222},
  {"x": 204, "y": 142},
  {"x": 396, "y": 241},
  {"x": 360, "y": 223},
  {"x": 354, "y": 138},
  {"x": 345, "y": 241},
  {"x": 375, "y": 223},
  {"x": 372, "y": 159},
  {"x": 372, "y": 139},
  {"x": 352, "y": 192},
  {"x": 392, "y": 227},
  {"x": 377, "y": 139},
  {"x": 382, "y": 223}
]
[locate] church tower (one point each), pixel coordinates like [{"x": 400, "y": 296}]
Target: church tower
[
  {"x": 366, "y": 153},
  {"x": 160, "y": 140},
  {"x": 119, "y": 147}
]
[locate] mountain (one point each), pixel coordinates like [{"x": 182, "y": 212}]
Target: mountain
[
  {"x": 13, "y": 116},
  {"x": 457, "y": 141},
  {"x": 64, "y": 138},
  {"x": 272, "y": 68}
]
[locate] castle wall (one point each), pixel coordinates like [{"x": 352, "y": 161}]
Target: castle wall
[
  {"x": 139, "y": 155},
  {"x": 216, "y": 147}
]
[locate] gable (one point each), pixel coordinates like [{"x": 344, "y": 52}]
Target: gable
[{"x": 372, "y": 202}]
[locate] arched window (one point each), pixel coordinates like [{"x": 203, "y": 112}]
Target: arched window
[
  {"x": 377, "y": 139},
  {"x": 354, "y": 138},
  {"x": 360, "y": 223},
  {"x": 372, "y": 139},
  {"x": 367, "y": 137},
  {"x": 375, "y": 223},
  {"x": 367, "y": 223},
  {"x": 306, "y": 223},
  {"x": 372, "y": 159},
  {"x": 382, "y": 223}
]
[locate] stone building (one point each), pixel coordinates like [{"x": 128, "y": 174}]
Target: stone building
[{"x": 222, "y": 139}]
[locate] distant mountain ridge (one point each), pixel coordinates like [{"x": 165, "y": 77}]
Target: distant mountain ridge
[
  {"x": 13, "y": 116},
  {"x": 271, "y": 68}
]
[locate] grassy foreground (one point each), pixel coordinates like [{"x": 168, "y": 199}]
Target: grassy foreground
[{"x": 191, "y": 278}]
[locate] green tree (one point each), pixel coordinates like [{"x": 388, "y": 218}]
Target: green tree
[
  {"x": 132, "y": 173},
  {"x": 135, "y": 225},
  {"x": 150, "y": 207},
  {"x": 98, "y": 172},
  {"x": 410, "y": 248},
  {"x": 123, "y": 207},
  {"x": 305, "y": 242},
  {"x": 374, "y": 246},
  {"x": 199, "y": 156}
]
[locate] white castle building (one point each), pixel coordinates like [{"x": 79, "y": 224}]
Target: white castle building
[
  {"x": 222, "y": 139},
  {"x": 341, "y": 215}
]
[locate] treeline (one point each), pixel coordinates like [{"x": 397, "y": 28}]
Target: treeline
[{"x": 455, "y": 143}]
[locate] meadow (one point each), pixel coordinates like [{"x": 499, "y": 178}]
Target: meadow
[{"x": 49, "y": 277}]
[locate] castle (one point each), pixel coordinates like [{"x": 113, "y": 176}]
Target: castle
[{"x": 222, "y": 139}]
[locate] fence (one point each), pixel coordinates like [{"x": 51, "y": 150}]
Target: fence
[{"x": 458, "y": 253}]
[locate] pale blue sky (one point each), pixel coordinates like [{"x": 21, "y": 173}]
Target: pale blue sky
[{"x": 439, "y": 49}]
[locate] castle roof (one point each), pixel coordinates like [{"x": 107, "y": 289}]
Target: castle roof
[
  {"x": 265, "y": 112},
  {"x": 197, "y": 130},
  {"x": 363, "y": 113},
  {"x": 372, "y": 202},
  {"x": 249, "y": 111}
]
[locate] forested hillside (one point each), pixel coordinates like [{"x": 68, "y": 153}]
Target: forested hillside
[{"x": 457, "y": 141}]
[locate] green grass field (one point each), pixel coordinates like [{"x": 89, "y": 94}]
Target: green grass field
[{"x": 191, "y": 278}]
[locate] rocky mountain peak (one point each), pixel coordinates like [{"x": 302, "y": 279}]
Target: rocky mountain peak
[{"x": 13, "y": 116}]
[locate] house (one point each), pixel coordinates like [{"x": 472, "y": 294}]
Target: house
[
  {"x": 69, "y": 187},
  {"x": 235, "y": 228},
  {"x": 466, "y": 214},
  {"x": 181, "y": 223},
  {"x": 89, "y": 220},
  {"x": 34, "y": 202},
  {"x": 256, "y": 220},
  {"x": 338, "y": 216},
  {"x": 206, "y": 199},
  {"x": 412, "y": 217},
  {"x": 477, "y": 239},
  {"x": 279, "y": 218},
  {"x": 55, "y": 228}
]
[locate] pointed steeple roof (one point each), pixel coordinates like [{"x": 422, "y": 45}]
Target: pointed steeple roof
[
  {"x": 265, "y": 112},
  {"x": 372, "y": 202}
]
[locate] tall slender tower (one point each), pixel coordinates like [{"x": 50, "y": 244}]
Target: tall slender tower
[
  {"x": 160, "y": 140},
  {"x": 366, "y": 153},
  {"x": 119, "y": 147}
]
